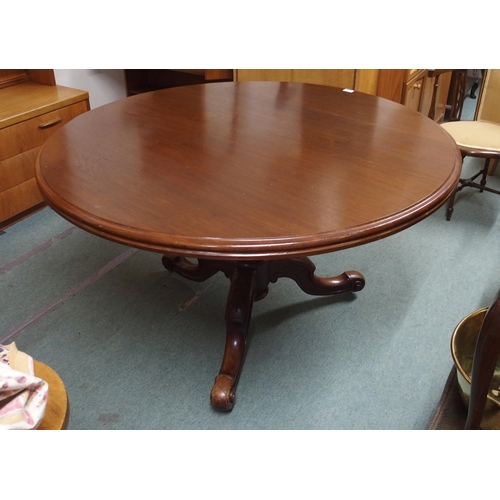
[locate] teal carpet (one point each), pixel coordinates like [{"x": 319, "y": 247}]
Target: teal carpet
[{"x": 139, "y": 347}]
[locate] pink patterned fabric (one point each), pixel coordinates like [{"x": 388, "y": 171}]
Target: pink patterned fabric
[{"x": 23, "y": 396}]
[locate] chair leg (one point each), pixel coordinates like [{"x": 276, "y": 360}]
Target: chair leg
[
  {"x": 473, "y": 90},
  {"x": 484, "y": 173},
  {"x": 493, "y": 167},
  {"x": 451, "y": 202}
]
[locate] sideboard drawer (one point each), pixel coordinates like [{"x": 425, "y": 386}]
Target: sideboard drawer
[
  {"x": 29, "y": 114},
  {"x": 17, "y": 169},
  {"x": 31, "y": 133},
  {"x": 18, "y": 198}
]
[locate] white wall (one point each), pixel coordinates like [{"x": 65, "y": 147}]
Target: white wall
[{"x": 103, "y": 85}]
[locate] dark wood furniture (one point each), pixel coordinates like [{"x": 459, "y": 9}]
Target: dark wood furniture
[
  {"x": 32, "y": 107},
  {"x": 424, "y": 90},
  {"x": 484, "y": 362},
  {"x": 138, "y": 81},
  {"x": 456, "y": 95},
  {"x": 362, "y": 80},
  {"x": 249, "y": 179}
]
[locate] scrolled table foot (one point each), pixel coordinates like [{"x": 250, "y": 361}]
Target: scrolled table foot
[
  {"x": 302, "y": 271},
  {"x": 355, "y": 281},
  {"x": 223, "y": 394}
]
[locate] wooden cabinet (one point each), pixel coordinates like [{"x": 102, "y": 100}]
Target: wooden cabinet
[
  {"x": 362, "y": 80},
  {"x": 29, "y": 113},
  {"x": 423, "y": 90},
  {"x": 145, "y": 80},
  {"x": 413, "y": 90}
]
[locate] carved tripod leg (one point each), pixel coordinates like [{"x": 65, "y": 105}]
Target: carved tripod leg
[
  {"x": 199, "y": 271},
  {"x": 302, "y": 270},
  {"x": 238, "y": 313}
]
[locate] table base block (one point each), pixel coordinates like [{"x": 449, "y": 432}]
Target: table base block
[{"x": 249, "y": 281}]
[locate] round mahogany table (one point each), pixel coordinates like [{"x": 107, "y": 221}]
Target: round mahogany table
[{"x": 249, "y": 179}]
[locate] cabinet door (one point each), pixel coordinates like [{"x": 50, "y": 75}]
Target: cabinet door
[
  {"x": 413, "y": 91},
  {"x": 435, "y": 95}
]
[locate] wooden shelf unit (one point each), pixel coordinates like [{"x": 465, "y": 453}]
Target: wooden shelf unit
[{"x": 32, "y": 108}]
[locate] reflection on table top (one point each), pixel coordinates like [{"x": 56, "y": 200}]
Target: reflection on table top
[{"x": 248, "y": 170}]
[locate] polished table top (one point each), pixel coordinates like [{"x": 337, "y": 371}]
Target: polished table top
[
  {"x": 248, "y": 170},
  {"x": 249, "y": 179}
]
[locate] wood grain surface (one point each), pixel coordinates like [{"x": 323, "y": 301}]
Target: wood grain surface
[
  {"x": 248, "y": 170},
  {"x": 57, "y": 410}
]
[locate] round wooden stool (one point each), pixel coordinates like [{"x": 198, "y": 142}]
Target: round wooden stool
[{"x": 57, "y": 410}]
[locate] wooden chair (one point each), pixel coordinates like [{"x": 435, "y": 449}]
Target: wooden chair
[{"x": 480, "y": 137}]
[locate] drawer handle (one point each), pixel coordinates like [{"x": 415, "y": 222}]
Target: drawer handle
[{"x": 50, "y": 124}]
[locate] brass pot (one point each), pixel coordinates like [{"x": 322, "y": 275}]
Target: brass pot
[{"x": 463, "y": 345}]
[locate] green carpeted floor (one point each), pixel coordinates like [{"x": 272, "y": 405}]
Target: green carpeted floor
[{"x": 138, "y": 347}]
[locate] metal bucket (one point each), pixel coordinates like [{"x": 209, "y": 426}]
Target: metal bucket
[{"x": 463, "y": 345}]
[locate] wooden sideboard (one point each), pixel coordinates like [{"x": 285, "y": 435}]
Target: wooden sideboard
[
  {"x": 32, "y": 107},
  {"x": 362, "y": 80},
  {"x": 423, "y": 90}
]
